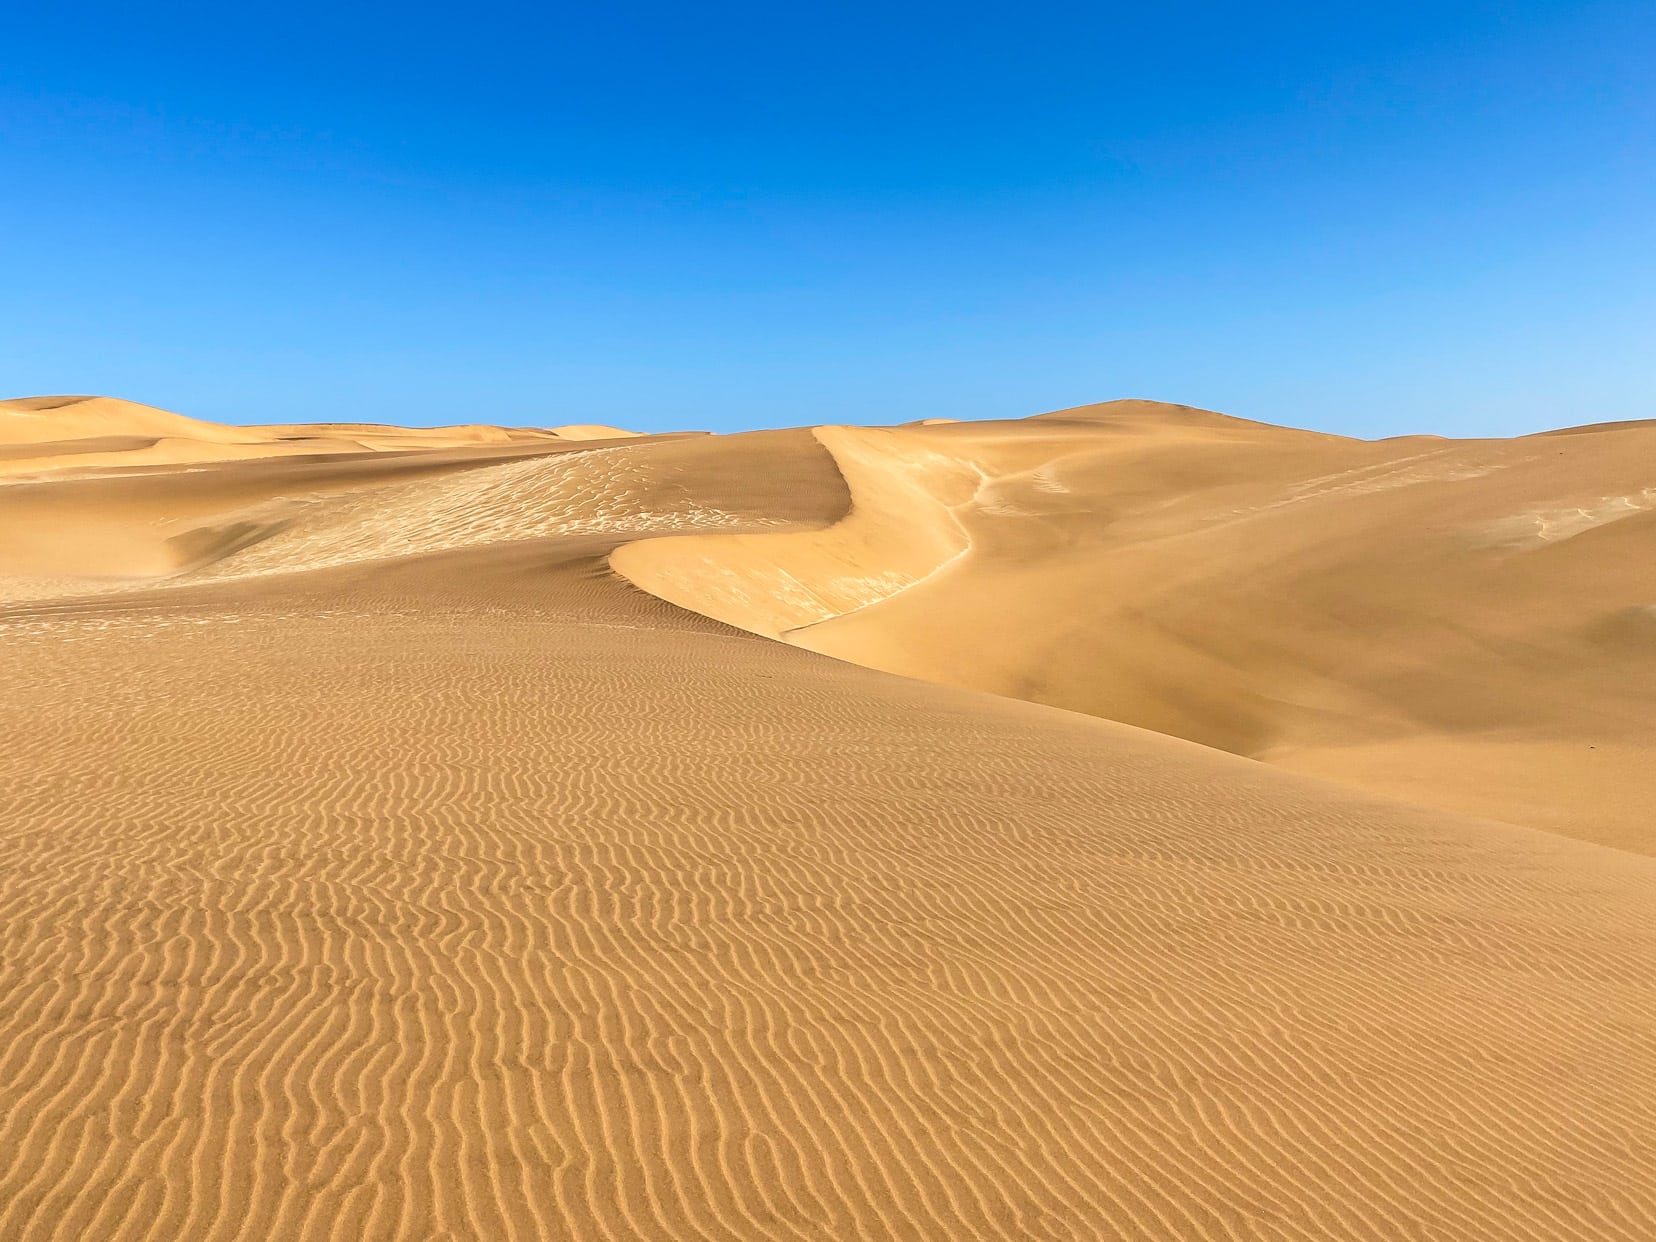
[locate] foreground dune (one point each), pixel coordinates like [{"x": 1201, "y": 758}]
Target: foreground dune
[{"x": 379, "y": 863}]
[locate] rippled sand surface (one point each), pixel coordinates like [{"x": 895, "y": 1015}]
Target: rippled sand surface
[{"x": 378, "y": 862}]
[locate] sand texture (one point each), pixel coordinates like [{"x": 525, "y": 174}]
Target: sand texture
[{"x": 466, "y": 834}]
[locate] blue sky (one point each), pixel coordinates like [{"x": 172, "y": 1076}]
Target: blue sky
[{"x": 1372, "y": 219}]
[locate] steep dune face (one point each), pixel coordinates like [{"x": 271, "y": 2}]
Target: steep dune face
[
  {"x": 1337, "y": 606},
  {"x": 899, "y": 530},
  {"x": 405, "y": 872}
]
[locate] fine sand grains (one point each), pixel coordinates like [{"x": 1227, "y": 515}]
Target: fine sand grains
[{"x": 480, "y": 896}]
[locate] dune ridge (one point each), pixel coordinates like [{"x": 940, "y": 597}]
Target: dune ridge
[
  {"x": 1332, "y": 605},
  {"x": 49, "y": 435},
  {"x": 46, "y": 420},
  {"x": 405, "y": 869},
  {"x": 900, "y": 528}
]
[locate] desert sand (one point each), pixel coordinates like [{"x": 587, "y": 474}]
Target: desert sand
[{"x": 1131, "y": 822}]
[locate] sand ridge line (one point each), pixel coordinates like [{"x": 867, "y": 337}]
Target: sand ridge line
[
  {"x": 903, "y": 528},
  {"x": 1275, "y": 595}
]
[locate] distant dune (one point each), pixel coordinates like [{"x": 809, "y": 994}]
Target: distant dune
[
  {"x": 462, "y": 832},
  {"x": 44, "y": 420},
  {"x": 48, "y": 434}
]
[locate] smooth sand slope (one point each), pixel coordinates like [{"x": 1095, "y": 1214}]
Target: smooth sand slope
[
  {"x": 1466, "y": 623},
  {"x": 394, "y": 869}
]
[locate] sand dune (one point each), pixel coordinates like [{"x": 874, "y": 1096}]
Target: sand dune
[
  {"x": 45, "y": 420},
  {"x": 1333, "y": 605},
  {"x": 376, "y": 861},
  {"x": 50, "y": 435}
]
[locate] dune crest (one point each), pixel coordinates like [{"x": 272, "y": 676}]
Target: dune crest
[
  {"x": 1306, "y": 599},
  {"x": 900, "y": 530}
]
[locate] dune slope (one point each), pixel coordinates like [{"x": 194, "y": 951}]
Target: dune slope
[
  {"x": 1417, "y": 616},
  {"x": 405, "y": 872}
]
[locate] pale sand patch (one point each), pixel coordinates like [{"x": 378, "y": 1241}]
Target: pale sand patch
[{"x": 1557, "y": 523}]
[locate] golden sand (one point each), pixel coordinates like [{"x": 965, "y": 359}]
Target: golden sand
[{"x": 411, "y": 835}]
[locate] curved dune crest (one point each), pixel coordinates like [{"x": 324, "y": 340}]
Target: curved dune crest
[
  {"x": 900, "y": 529},
  {"x": 1328, "y": 604}
]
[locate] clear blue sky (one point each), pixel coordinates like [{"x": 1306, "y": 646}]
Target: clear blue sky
[{"x": 1371, "y": 219}]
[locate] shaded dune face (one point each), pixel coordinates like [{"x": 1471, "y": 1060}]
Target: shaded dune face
[
  {"x": 1418, "y": 616},
  {"x": 440, "y": 843}
]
